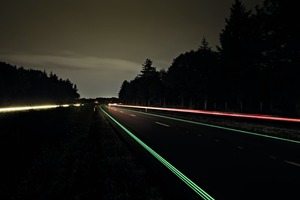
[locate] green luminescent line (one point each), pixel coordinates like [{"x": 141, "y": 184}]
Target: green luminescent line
[
  {"x": 220, "y": 127},
  {"x": 180, "y": 175}
]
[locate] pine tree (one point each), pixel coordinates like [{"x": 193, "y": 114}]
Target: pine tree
[
  {"x": 148, "y": 70},
  {"x": 237, "y": 51}
]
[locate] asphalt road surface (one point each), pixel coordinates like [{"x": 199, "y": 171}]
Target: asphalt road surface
[{"x": 226, "y": 164}]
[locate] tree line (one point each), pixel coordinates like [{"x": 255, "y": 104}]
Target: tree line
[
  {"x": 255, "y": 68},
  {"x": 19, "y": 86}
]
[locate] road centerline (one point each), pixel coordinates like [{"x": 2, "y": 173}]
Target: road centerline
[
  {"x": 231, "y": 150},
  {"x": 219, "y": 127},
  {"x": 292, "y": 163},
  {"x": 162, "y": 124},
  {"x": 203, "y": 194}
]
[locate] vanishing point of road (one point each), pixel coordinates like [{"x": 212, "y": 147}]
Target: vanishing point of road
[{"x": 224, "y": 163}]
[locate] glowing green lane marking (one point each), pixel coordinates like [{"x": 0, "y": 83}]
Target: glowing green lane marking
[
  {"x": 220, "y": 127},
  {"x": 180, "y": 175}
]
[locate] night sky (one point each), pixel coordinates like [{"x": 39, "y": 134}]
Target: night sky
[{"x": 98, "y": 44}]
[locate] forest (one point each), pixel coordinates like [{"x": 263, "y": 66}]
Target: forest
[
  {"x": 19, "y": 86},
  {"x": 255, "y": 68}
]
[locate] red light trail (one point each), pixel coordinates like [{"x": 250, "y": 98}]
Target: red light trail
[{"x": 228, "y": 114}]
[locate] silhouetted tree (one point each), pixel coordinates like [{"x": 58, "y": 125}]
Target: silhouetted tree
[
  {"x": 256, "y": 67},
  {"x": 192, "y": 75},
  {"x": 148, "y": 70},
  {"x": 124, "y": 91},
  {"x": 237, "y": 52},
  {"x": 148, "y": 83},
  {"x": 20, "y": 86},
  {"x": 145, "y": 89},
  {"x": 279, "y": 60}
]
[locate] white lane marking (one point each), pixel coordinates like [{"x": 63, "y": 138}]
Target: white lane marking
[
  {"x": 273, "y": 157},
  {"x": 132, "y": 115},
  {"x": 166, "y": 125},
  {"x": 216, "y": 140},
  {"x": 220, "y": 127},
  {"x": 292, "y": 163},
  {"x": 240, "y": 147}
]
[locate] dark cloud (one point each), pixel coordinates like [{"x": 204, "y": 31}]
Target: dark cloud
[
  {"x": 114, "y": 34},
  {"x": 93, "y": 75}
]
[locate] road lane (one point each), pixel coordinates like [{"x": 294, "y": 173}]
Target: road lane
[{"x": 228, "y": 165}]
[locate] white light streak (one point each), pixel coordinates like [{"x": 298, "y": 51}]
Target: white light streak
[{"x": 41, "y": 107}]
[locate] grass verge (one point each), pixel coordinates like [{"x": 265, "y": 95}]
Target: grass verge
[{"x": 69, "y": 153}]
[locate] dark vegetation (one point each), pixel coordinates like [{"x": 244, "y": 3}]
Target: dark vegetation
[
  {"x": 19, "y": 86},
  {"x": 255, "y": 69},
  {"x": 73, "y": 153},
  {"x": 69, "y": 153}
]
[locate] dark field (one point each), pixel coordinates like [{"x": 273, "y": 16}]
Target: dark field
[{"x": 69, "y": 153}]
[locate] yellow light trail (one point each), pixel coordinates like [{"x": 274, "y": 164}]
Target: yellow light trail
[{"x": 24, "y": 108}]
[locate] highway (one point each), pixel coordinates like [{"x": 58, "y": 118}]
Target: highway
[{"x": 226, "y": 164}]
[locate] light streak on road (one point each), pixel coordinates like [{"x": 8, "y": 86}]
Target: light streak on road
[
  {"x": 179, "y": 174},
  {"x": 24, "y": 108},
  {"x": 239, "y": 115},
  {"x": 220, "y": 127},
  {"x": 162, "y": 124},
  {"x": 293, "y": 163}
]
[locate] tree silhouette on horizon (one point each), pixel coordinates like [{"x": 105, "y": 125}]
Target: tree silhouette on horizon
[
  {"x": 255, "y": 69},
  {"x": 19, "y": 86}
]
